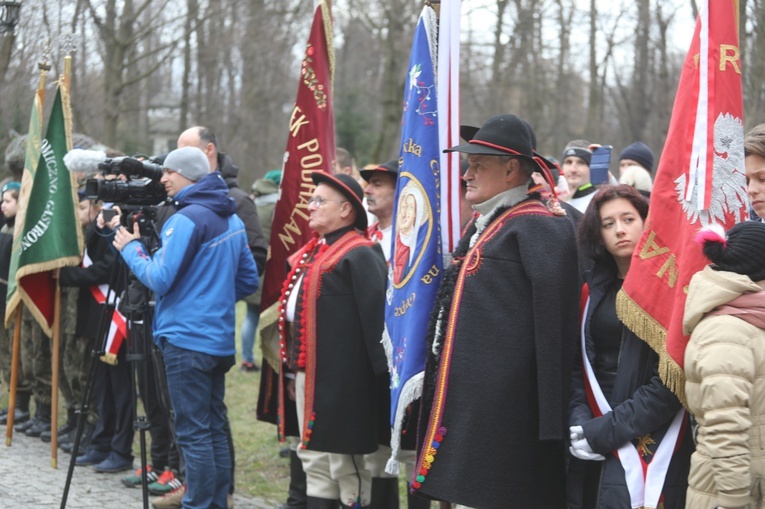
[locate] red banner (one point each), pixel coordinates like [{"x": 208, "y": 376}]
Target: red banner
[
  {"x": 700, "y": 180},
  {"x": 310, "y": 147}
]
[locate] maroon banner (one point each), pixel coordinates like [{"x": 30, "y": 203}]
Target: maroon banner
[
  {"x": 700, "y": 180},
  {"x": 310, "y": 147}
]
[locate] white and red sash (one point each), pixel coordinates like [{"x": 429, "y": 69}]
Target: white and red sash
[
  {"x": 117, "y": 327},
  {"x": 382, "y": 237},
  {"x": 645, "y": 481}
]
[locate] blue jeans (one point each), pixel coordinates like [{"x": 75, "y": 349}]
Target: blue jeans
[
  {"x": 197, "y": 385},
  {"x": 249, "y": 326}
]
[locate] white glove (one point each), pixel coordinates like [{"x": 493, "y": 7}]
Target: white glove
[{"x": 580, "y": 447}]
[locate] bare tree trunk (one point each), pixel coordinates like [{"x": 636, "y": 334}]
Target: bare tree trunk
[
  {"x": 115, "y": 56},
  {"x": 191, "y": 21},
  {"x": 561, "y": 101},
  {"x": 754, "y": 71},
  {"x": 7, "y": 41},
  {"x": 665, "y": 90},
  {"x": 393, "y": 83},
  {"x": 498, "y": 60},
  {"x": 639, "y": 101},
  {"x": 593, "y": 103}
]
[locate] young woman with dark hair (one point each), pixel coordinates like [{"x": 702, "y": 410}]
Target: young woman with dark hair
[{"x": 628, "y": 440}]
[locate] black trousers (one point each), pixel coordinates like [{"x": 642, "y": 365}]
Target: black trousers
[{"x": 113, "y": 395}]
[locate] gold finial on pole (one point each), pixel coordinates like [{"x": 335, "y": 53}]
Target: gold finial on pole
[
  {"x": 67, "y": 47},
  {"x": 44, "y": 67}
]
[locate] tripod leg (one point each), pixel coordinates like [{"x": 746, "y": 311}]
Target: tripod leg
[{"x": 101, "y": 340}]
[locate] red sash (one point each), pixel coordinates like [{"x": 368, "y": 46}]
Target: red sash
[
  {"x": 645, "y": 481},
  {"x": 118, "y": 327}
]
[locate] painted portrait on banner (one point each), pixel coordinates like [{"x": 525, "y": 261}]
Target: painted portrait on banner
[{"x": 414, "y": 225}]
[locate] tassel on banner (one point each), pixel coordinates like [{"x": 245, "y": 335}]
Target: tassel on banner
[
  {"x": 411, "y": 392},
  {"x": 643, "y": 325}
]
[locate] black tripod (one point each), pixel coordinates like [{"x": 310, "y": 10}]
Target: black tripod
[{"x": 137, "y": 311}]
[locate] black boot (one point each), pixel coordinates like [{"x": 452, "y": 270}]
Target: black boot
[
  {"x": 384, "y": 493},
  {"x": 321, "y": 503},
  {"x": 21, "y": 412},
  {"x": 41, "y": 422},
  {"x": 415, "y": 502},
  {"x": 19, "y": 417},
  {"x": 24, "y": 426},
  {"x": 67, "y": 444},
  {"x": 68, "y": 427},
  {"x": 296, "y": 498}
]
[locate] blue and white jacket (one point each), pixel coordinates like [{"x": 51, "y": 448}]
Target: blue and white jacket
[{"x": 203, "y": 267}]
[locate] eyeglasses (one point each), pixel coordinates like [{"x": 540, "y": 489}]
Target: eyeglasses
[{"x": 319, "y": 201}]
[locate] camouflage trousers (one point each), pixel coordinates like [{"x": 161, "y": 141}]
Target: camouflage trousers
[
  {"x": 74, "y": 369},
  {"x": 36, "y": 357},
  {"x": 24, "y": 381},
  {"x": 75, "y": 358}
]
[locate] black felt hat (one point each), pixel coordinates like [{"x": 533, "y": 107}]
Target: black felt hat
[
  {"x": 541, "y": 160},
  {"x": 348, "y": 187},
  {"x": 501, "y": 135},
  {"x": 389, "y": 167}
]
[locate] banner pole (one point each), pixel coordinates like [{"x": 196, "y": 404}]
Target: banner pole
[
  {"x": 14, "y": 376},
  {"x": 55, "y": 358}
]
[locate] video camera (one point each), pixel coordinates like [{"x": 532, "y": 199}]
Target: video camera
[{"x": 140, "y": 185}]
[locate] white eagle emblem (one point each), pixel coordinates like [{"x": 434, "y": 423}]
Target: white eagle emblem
[
  {"x": 728, "y": 177},
  {"x": 169, "y": 232}
]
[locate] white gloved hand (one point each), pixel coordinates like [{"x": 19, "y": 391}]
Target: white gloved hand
[
  {"x": 576, "y": 433},
  {"x": 581, "y": 449}
]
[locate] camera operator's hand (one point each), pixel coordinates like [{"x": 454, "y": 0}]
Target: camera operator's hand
[
  {"x": 112, "y": 223},
  {"x": 122, "y": 236}
]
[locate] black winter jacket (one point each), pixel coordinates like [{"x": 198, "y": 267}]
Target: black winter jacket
[
  {"x": 246, "y": 210},
  {"x": 640, "y": 404},
  {"x": 102, "y": 255}
]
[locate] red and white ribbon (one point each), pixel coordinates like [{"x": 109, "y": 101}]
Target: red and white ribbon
[
  {"x": 645, "y": 481},
  {"x": 118, "y": 326}
]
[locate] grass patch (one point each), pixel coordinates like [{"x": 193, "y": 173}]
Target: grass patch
[{"x": 260, "y": 472}]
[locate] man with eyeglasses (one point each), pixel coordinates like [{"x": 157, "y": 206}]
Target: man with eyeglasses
[{"x": 331, "y": 321}]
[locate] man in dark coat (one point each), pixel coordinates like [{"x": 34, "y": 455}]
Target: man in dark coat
[
  {"x": 204, "y": 139},
  {"x": 331, "y": 321},
  {"x": 502, "y": 338}
]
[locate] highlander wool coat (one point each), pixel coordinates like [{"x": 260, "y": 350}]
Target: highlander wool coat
[
  {"x": 342, "y": 324},
  {"x": 495, "y": 396}
]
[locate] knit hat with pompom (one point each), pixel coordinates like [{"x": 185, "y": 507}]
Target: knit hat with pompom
[{"x": 740, "y": 250}]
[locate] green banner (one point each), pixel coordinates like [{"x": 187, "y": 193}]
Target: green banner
[{"x": 48, "y": 233}]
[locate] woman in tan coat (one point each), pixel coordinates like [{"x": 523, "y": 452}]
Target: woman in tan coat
[{"x": 725, "y": 370}]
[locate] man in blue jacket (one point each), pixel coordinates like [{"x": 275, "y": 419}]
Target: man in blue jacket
[{"x": 203, "y": 267}]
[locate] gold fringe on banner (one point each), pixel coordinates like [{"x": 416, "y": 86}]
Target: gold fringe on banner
[
  {"x": 645, "y": 326},
  {"x": 326, "y": 16},
  {"x": 268, "y": 332}
]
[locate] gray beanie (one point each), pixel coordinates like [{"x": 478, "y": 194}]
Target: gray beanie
[{"x": 190, "y": 162}]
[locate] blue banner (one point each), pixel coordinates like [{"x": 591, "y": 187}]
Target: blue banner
[{"x": 416, "y": 262}]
